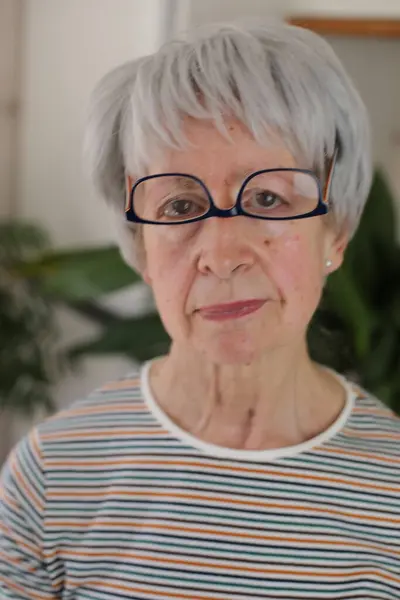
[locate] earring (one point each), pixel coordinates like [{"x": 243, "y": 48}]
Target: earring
[{"x": 328, "y": 264}]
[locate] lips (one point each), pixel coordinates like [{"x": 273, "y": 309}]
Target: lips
[{"x": 232, "y": 310}]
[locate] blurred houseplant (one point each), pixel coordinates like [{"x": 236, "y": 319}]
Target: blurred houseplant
[
  {"x": 27, "y": 326},
  {"x": 34, "y": 281},
  {"x": 81, "y": 280},
  {"x": 356, "y": 330}
]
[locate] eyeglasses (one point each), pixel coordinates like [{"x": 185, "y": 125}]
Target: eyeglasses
[{"x": 272, "y": 194}]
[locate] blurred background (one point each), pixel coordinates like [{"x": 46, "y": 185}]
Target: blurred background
[{"x": 72, "y": 316}]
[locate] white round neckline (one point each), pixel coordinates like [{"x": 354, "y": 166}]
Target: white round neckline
[{"x": 233, "y": 453}]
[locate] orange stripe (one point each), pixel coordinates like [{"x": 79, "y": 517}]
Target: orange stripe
[
  {"x": 233, "y": 534},
  {"x": 170, "y": 463},
  {"x": 8, "y": 500},
  {"x": 35, "y": 446},
  {"x": 371, "y": 435},
  {"x": 222, "y": 500},
  {"x": 339, "y": 451},
  {"x": 15, "y": 561},
  {"x": 21, "y": 542},
  {"x": 357, "y": 391},
  {"x": 11, "y": 585},
  {"x": 28, "y": 491},
  {"x": 298, "y": 571},
  {"x": 120, "y": 385},
  {"x": 364, "y": 455},
  {"x": 367, "y": 410},
  {"x": 114, "y": 585},
  {"x": 127, "y": 407},
  {"x": 103, "y": 433}
]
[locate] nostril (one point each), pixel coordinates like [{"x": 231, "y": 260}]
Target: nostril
[{"x": 237, "y": 268}]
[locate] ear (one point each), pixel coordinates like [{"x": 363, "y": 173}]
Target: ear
[
  {"x": 335, "y": 249},
  {"x": 146, "y": 277}
]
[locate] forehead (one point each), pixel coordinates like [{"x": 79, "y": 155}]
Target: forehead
[{"x": 211, "y": 154}]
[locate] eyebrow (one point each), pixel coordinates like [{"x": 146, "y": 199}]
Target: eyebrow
[
  {"x": 190, "y": 181},
  {"x": 185, "y": 180}
]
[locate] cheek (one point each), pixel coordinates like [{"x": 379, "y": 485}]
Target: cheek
[
  {"x": 296, "y": 269},
  {"x": 169, "y": 276}
]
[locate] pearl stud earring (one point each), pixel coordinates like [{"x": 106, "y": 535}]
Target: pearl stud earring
[{"x": 328, "y": 263}]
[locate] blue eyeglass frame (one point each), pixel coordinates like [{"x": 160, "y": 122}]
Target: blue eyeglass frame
[{"x": 236, "y": 210}]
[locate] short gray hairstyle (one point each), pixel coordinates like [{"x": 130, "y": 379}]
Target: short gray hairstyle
[{"x": 273, "y": 77}]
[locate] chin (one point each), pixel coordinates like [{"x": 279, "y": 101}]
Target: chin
[
  {"x": 232, "y": 350},
  {"x": 230, "y": 358}
]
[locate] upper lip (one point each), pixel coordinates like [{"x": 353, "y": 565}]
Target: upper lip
[{"x": 231, "y": 306}]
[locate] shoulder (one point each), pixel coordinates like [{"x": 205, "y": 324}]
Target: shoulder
[
  {"x": 373, "y": 425},
  {"x": 109, "y": 404},
  {"x": 101, "y": 411},
  {"x": 370, "y": 410}
]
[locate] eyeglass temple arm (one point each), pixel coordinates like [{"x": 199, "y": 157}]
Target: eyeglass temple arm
[{"x": 329, "y": 178}]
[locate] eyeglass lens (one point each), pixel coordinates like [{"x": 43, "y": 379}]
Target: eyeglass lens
[{"x": 269, "y": 194}]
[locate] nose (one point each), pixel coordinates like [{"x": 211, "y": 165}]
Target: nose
[{"x": 225, "y": 247}]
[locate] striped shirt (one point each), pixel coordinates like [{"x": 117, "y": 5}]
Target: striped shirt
[{"x": 110, "y": 500}]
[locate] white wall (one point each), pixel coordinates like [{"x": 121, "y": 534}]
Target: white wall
[
  {"x": 204, "y": 11},
  {"x": 68, "y": 45},
  {"x": 373, "y": 65},
  {"x": 348, "y": 8},
  {"x": 10, "y": 43}
]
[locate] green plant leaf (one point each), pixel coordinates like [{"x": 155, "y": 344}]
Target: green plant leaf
[
  {"x": 343, "y": 298},
  {"x": 79, "y": 274},
  {"x": 395, "y": 309},
  {"x": 371, "y": 255},
  {"x": 21, "y": 240},
  {"x": 329, "y": 342},
  {"x": 380, "y": 361},
  {"x": 140, "y": 339}
]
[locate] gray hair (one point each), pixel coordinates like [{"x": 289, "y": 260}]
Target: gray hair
[{"x": 273, "y": 77}]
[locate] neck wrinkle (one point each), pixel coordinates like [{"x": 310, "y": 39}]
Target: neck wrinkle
[{"x": 239, "y": 407}]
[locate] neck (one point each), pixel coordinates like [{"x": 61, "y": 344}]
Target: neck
[{"x": 282, "y": 399}]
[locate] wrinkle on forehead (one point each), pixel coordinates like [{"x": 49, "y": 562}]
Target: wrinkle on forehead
[{"x": 215, "y": 158}]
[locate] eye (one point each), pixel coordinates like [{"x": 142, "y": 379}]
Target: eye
[
  {"x": 179, "y": 208},
  {"x": 182, "y": 209},
  {"x": 258, "y": 201},
  {"x": 266, "y": 199}
]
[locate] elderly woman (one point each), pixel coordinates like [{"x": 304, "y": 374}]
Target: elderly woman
[{"x": 234, "y": 467}]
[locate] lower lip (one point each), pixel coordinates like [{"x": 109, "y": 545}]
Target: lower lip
[{"x": 236, "y": 312}]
